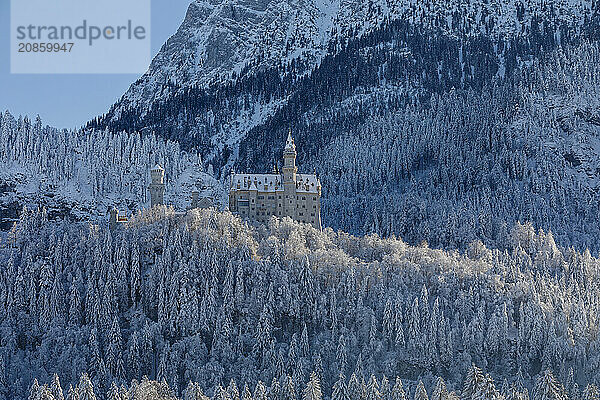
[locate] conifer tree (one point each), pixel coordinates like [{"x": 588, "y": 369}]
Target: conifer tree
[
  {"x": 288, "y": 390},
  {"x": 373, "y": 392},
  {"x": 420, "y": 392},
  {"x": 312, "y": 391},
  {"x": 547, "y": 388},
  {"x": 487, "y": 390},
  {"x": 220, "y": 393},
  {"x": 341, "y": 354},
  {"x": 339, "y": 390},
  {"x": 440, "y": 392},
  {"x": 114, "y": 392},
  {"x": 134, "y": 357},
  {"x": 474, "y": 380},
  {"x": 260, "y": 392},
  {"x": 114, "y": 356},
  {"x": 193, "y": 392},
  {"x": 34, "y": 390},
  {"x": 56, "y": 389},
  {"x": 246, "y": 394},
  {"x": 94, "y": 349},
  {"x": 72, "y": 394},
  {"x": 85, "y": 389},
  {"x": 591, "y": 392},
  {"x": 384, "y": 388},
  {"x": 355, "y": 390},
  {"x": 233, "y": 391}
]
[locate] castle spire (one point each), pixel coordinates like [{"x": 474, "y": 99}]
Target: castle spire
[
  {"x": 289, "y": 160},
  {"x": 289, "y": 143}
]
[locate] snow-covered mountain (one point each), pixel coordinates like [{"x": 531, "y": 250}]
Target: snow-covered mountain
[
  {"x": 225, "y": 39},
  {"x": 418, "y": 115},
  {"x": 429, "y": 91},
  {"x": 219, "y": 39}
]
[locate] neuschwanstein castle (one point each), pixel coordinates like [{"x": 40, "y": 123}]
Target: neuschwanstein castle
[
  {"x": 254, "y": 196},
  {"x": 259, "y": 196}
]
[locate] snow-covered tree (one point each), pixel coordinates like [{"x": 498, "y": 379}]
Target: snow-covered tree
[
  {"x": 312, "y": 391},
  {"x": 547, "y": 388}
]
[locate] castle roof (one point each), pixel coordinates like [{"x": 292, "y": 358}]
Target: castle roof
[
  {"x": 305, "y": 183},
  {"x": 157, "y": 168}
]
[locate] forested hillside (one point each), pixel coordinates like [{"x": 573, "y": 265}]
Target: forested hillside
[
  {"x": 477, "y": 386},
  {"x": 207, "y": 298},
  {"x": 79, "y": 174},
  {"x": 475, "y": 162},
  {"x": 437, "y": 121}
]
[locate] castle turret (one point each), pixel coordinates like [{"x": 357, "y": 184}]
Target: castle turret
[
  {"x": 289, "y": 177},
  {"x": 157, "y": 186}
]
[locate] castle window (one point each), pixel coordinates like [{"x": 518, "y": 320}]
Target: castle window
[
  {"x": 253, "y": 200},
  {"x": 314, "y": 206},
  {"x": 261, "y": 197},
  {"x": 279, "y": 197},
  {"x": 303, "y": 205},
  {"x": 303, "y": 198},
  {"x": 279, "y": 212},
  {"x": 312, "y": 214},
  {"x": 301, "y": 214}
]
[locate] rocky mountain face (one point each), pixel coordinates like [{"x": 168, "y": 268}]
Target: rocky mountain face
[
  {"x": 222, "y": 39},
  {"x": 411, "y": 111},
  {"x": 225, "y": 40}
]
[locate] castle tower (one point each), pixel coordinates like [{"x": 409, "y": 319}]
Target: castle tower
[
  {"x": 114, "y": 217},
  {"x": 289, "y": 177},
  {"x": 157, "y": 186},
  {"x": 195, "y": 197}
]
